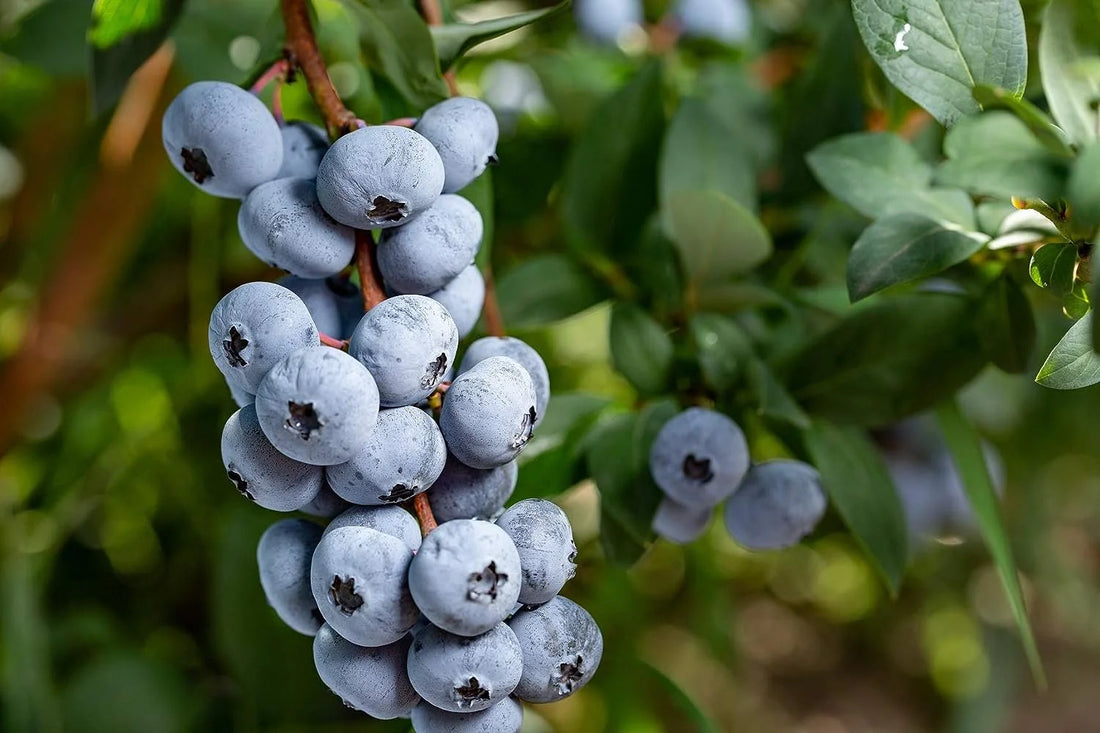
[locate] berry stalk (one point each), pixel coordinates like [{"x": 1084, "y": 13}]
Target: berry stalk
[{"x": 301, "y": 48}]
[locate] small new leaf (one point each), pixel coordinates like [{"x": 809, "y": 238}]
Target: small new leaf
[{"x": 1053, "y": 266}]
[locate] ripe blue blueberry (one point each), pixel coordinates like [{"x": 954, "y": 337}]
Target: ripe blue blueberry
[
  {"x": 513, "y": 348},
  {"x": 678, "y": 523},
  {"x": 255, "y": 326},
  {"x": 777, "y": 504},
  {"x": 544, "y": 540},
  {"x": 463, "y": 298},
  {"x": 372, "y": 680},
  {"x": 505, "y": 716},
  {"x": 403, "y": 457},
  {"x": 284, "y": 556},
  {"x": 607, "y": 21},
  {"x": 359, "y": 581},
  {"x": 562, "y": 647},
  {"x": 464, "y": 131},
  {"x": 407, "y": 342},
  {"x": 379, "y": 177},
  {"x": 318, "y": 405},
  {"x": 326, "y": 504},
  {"x": 465, "y": 674},
  {"x": 222, "y": 138},
  {"x": 391, "y": 520},
  {"x": 282, "y": 223},
  {"x": 240, "y": 395},
  {"x": 260, "y": 472},
  {"x": 489, "y": 413},
  {"x": 699, "y": 457},
  {"x": 726, "y": 21},
  {"x": 466, "y": 576},
  {"x": 431, "y": 250},
  {"x": 462, "y": 492},
  {"x": 333, "y": 303},
  {"x": 304, "y": 144}
]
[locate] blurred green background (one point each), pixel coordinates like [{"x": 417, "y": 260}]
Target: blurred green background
[{"x": 129, "y": 596}]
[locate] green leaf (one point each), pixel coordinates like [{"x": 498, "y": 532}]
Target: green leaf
[
  {"x": 1075, "y": 303},
  {"x": 937, "y": 51},
  {"x": 641, "y": 348},
  {"x": 552, "y": 461},
  {"x": 878, "y": 174},
  {"x": 699, "y": 721},
  {"x": 610, "y": 178},
  {"x": 700, "y": 152},
  {"x": 905, "y": 247},
  {"x": 772, "y": 398},
  {"x": 545, "y": 289},
  {"x": 1069, "y": 36},
  {"x": 889, "y": 360},
  {"x": 1006, "y": 325},
  {"x": 722, "y": 349},
  {"x": 1083, "y": 189},
  {"x": 1040, "y": 124},
  {"x": 996, "y": 155},
  {"x": 396, "y": 42},
  {"x": 123, "y": 35},
  {"x": 859, "y": 486},
  {"x": 452, "y": 40},
  {"x": 1054, "y": 266},
  {"x": 966, "y": 450},
  {"x": 717, "y": 237},
  {"x": 1072, "y": 364},
  {"x": 52, "y": 37}
]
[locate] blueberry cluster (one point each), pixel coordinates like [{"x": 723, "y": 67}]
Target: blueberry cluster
[
  {"x": 610, "y": 21},
  {"x": 454, "y": 629},
  {"x": 700, "y": 458}
]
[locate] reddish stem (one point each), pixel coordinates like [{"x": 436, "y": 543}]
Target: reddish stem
[
  {"x": 423, "y": 509},
  {"x": 494, "y": 322},
  {"x": 402, "y": 122},
  {"x": 432, "y": 13},
  {"x": 301, "y": 48},
  {"x": 277, "y": 70},
  {"x": 277, "y": 104},
  {"x": 335, "y": 343},
  {"x": 369, "y": 279}
]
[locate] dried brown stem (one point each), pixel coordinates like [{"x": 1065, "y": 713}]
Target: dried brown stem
[{"x": 301, "y": 48}]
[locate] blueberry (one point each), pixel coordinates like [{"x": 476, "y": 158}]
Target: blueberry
[
  {"x": 562, "y": 647},
  {"x": 372, "y": 680},
  {"x": 359, "y": 580},
  {"x": 726, "y": 21},
  {"x": 777, "y": 504},
  {"x": 284, "y": 555},
  {"x": 391, "y": 520},
  {"x": 466, "y": 576},
  {"x": 505, "y": 716},
  {"x": 544, "y": 540},
  {"x": 699, "y": 457},
  {"x": 379, "y": 177},
  {"x": 222, "y": 138},
  {"x": 513, "y": 348},
  {"x": 282, "y": 223},
  {"x": 260, "y": 472},
  {"x": 489, "y": 413},
  {"x": 462, "y": 492},
  {"x": 680, "y": 524},
  {"x": 318, "y": 406},
  {"x": 304, "y": 144},
  {"x": 464, "y": 131},
  {"x": 432, "y": 249},
  {"x": 326, "y": 504},
  {"x": 240, "y": 395},
  {"x": 402, "y": 458},
  {"x": 407, "y": 342},
  {"x": 333, "y": 303},
  {"x": 464, "y": 674},
  {"x": 463, "y": 298},
  {"x": 255, "y": 326},
  {"x": 606, "y": 21}
]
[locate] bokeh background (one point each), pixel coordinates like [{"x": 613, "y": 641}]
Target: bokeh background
[{"x": 129, "y": 596}]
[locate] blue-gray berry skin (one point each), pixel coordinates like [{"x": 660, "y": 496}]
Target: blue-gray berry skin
[
  {"x": 240, "y": 395},
  {"x": 464, "y": 131},
  {"x": 699, "y": 457},
  {"x": 726, "y": 21},
  {"x": 222, "y": 138},
  {"x": 513, "y": 348},
  {"x": 432, "y": 249},
  {"x": 463, "y": 297},
  {"x": 605, "y": 21},
  {"x": 372, "y": 680},
  {"x": 407, "y": 342},
  {"x": 359, "y": 580},
  {"x": 326, "y": 504},
  {"x": 562, "y": 647},
  {"x": 680, "y": 524},
  {"x": 466, "y": 576},
  {"x": 462, "y": 492},
  {"x": 283, "y": 224},
  {"x": 318, "y": 406},
  {"x": 489, "y": 413},
  {"x": 777, "y": 504},
  {"x": 465, "y": 674},
  {"x": 403, "y": 457},
  {"x": 334, "y": 303},
  {"x": 284, "y": 556},
  {"x": 260, "y": 472},
  {"x": 379, "y": 177},
  {"x": 544, "y": 539},
  {"x": 391, "y": 520},
  {"x": 505, "y": 716},
  {"x": 304, "y": 144},
  {"x": 254, "y": 327}
]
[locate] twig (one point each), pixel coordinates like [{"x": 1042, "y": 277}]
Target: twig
[
  {"x": 432, "y": 13},
  {"x": 494, "y": 322},
  {"x": 301, "y": 47},
  {"x": 278, "y": 70},
  {"x": 335, "y": 343},
  {"x": 369, "y": 280},
  {"x": 423, "y": 509}
]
